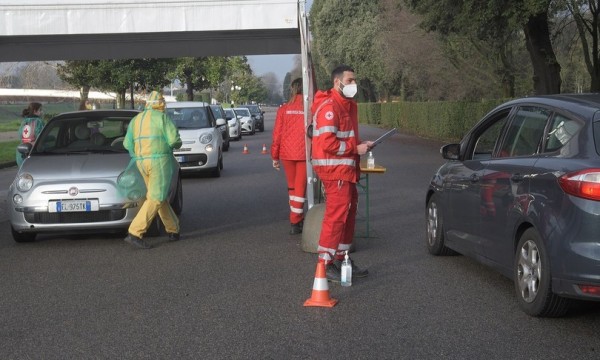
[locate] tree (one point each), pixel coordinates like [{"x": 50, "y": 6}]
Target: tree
[
  {"x": 190, "y": 72},
  {"x": 348, "y": 32},
  {"x": 497, "y": 23},
  {"x": 586, "y": 15},
  {"x": 81, "y": 74}
]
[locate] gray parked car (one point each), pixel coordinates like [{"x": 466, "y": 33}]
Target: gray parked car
[
  {"x": 69, "y": 180},
  {"x": 219, "y": 113},
  {"x": 521, "y": 193}
]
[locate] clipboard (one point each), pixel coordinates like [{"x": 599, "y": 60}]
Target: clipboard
[{"x": 383, "y": 137}]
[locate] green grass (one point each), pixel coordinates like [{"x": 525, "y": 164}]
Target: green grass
[
  {"x": 7, "y": 151},
  {"x": 12, "y": 112}
]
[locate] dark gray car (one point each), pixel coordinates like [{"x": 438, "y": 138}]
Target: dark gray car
[{"x": 521, "y": 193}]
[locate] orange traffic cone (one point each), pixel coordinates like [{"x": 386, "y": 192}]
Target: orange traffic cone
[
  {"x": 264, "y": 149},
  {"x": 320, "y": 292},
  {"x": 245, "y": 151}
]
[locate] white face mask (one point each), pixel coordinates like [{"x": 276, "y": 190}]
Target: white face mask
[{"x": 349, "y": 90}]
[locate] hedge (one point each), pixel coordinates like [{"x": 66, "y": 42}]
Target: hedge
[{"x": 437, "y": 120}]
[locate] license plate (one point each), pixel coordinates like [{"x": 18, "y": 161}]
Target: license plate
[
  {"x": 180, "y": 158},
  {"x": 73, "y": 206}
]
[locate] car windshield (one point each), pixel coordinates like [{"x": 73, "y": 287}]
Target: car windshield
[
  {"x": 189, "y": 118},
  {"x": 229, "y": 114},
  {"x": 242, "y": 112},
  {"x": 253, "y": 108},
  {"x": 83, "y": 134}
]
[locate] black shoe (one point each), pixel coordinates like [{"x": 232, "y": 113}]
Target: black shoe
[
  {"x": 296, "y": 228},
  {"x": 136, "y": 241},
  {"x": 333, "y": 273},
  {"x": 173, "y": 236},
  {"x": 357, "y": 272}
]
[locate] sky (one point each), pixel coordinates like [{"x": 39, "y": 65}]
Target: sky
[{"x": 278, "y": 64}]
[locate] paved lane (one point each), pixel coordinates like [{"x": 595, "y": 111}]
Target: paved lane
[{"x": 233, "y": 288}]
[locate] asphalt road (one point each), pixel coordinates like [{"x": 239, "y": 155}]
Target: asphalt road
[{"x": 234, "y": 286}]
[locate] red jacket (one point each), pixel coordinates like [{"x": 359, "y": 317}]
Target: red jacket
[
  {"x": 289, "y": 135},
  {"x": 335, "y": 137}
]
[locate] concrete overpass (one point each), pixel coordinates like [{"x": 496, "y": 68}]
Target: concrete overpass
[{"x": 32, "y": 30}]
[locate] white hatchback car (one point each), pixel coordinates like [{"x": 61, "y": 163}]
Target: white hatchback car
[
  {"x": 246, "y": 120},
  {"x": 202, "y": 141},
  {"x": 235, "y": 126}
]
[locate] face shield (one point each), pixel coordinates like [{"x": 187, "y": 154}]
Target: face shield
[{"x": 156, "y": 101}]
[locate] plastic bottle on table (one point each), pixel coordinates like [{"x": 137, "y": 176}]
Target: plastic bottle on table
[{"x": 370, "y": 161}]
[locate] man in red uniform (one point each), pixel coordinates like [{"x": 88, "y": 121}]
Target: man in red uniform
[
  {"x": 336, "y": 151},
  {"x": 289, "y": 149}
]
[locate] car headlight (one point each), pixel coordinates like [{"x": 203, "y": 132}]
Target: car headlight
[
  {"x": 25, "y": 182},
  {"x": 206, "y": 138},
  {"x": 126, "y": 180},
  {"x": 209, "y": 148}
]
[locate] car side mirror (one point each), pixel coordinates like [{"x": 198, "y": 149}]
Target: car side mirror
[
  {"x": 450, "y": 151},
  {"x": 221, "y": 122},
  {"x": 24, "y": 148}
]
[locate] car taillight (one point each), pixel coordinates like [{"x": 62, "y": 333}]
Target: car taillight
[
  {"x": 590, "y": 289},
  {"x": 584, "y": 184}
]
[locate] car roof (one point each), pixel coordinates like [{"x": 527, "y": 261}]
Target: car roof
[
  {"x": 588, "y": 103},
  {"x": 99, "y": 113},
  {"x": 187, "y": 104}
]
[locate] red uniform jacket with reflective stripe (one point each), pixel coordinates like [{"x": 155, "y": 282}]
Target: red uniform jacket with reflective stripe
[
  {"x": 335, "y": 137},
  {"x": 289, "y": 135}
]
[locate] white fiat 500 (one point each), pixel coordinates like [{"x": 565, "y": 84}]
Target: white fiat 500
[{"x": 202, "y": 141}]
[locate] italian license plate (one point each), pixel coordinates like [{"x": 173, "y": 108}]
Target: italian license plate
[
  {"x": 180, "y": 158},
  {"x": 73, "y": 206}
]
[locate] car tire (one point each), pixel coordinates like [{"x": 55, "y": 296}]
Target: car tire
[
  {"x": 532, "y": 276},
  {"x": 177, "y": 204},
  {"x": 434, "y": 229},
  {"x": 22, "y": 237},
  {"x": 217, "y": 170},
  {"x": 226, "y": 146}
]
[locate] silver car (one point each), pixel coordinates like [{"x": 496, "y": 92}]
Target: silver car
[
  {"x": 202, "y": 148},
  {"x": 74, "y": 178}
]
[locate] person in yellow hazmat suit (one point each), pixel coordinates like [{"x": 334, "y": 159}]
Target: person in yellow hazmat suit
[{"x": 150, "y": 139}]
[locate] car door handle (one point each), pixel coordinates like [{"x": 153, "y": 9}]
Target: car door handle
[{"x": 474, "y": 178}]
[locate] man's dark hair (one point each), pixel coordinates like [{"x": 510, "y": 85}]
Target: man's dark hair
[{"x": 338, "y": 72}]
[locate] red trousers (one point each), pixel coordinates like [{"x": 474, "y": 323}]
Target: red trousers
[
  {"x": 295, "y": 173},
  {"x": 337, "y": 230}
]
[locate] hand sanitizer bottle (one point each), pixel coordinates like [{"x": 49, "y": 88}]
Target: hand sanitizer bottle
[
  {"x": 371, "y": 161},
  {"x": 346, "y": 271}
]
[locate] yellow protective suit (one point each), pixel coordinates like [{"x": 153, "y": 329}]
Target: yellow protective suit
[{"x": 150, "y": 140}]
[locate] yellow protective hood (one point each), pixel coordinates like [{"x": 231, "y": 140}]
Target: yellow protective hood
[{"x": 156, "y": 101}]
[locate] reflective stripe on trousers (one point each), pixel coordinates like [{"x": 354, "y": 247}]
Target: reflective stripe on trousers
[{"x": 295, "y": 173}]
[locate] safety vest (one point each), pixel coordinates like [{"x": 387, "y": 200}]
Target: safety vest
[{"x": 335, "y": 138}]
